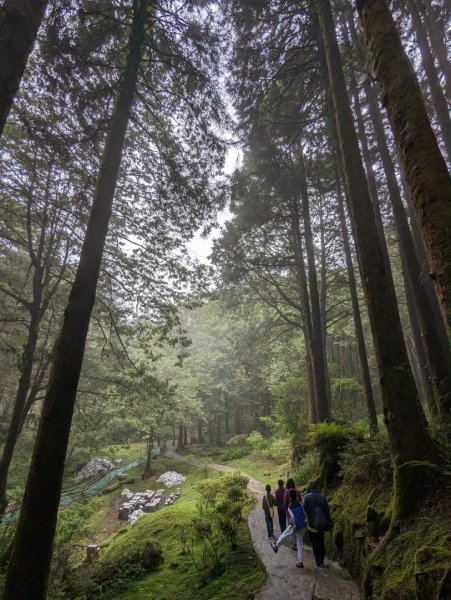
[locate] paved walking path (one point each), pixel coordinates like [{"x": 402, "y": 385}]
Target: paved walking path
[{"x": 285, "y": 580}]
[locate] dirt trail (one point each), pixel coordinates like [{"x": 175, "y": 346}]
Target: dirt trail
[{"x": 285, "y": 580}]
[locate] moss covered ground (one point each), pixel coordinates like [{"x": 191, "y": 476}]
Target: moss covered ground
[{"x": 129, "y": 565}]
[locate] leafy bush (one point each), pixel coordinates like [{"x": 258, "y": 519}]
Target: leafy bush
[
  {"x": 237, "y": 440},
  {"x": 279, "y": 450},
  {"x": 220, "y": 508},
  {"x": 366, "y": 460},
  {"x": 256, "y": 440},
  {"x": 307, "y": 468}
]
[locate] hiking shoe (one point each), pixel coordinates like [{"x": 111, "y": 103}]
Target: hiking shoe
[
  {"x": 294, "y": 547},
  {"x": 300, "y": 565},
  {"x": 275, "y": 547},
  {"x": 321, "y": 566}
]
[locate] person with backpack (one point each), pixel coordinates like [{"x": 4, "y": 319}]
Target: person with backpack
[
  {"x": 268, "y": 507},
  {"x": 286, "y": 500},
  {"x": 296, "y": 527},
  {"x": 278, "y": 500},
  {"x": 318, "y": 521}
]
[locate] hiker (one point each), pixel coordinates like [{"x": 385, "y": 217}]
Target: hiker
[
  {"x": 286, "y": 500},
  {"x": 296, "y": 527},
  {"x": 318, "y": 521},
  {"x": 268, "y": 507},
  {"x": 278, "y": 500}
]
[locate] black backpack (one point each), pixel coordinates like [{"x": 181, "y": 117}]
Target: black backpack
[{"x": 319, "y": 520}]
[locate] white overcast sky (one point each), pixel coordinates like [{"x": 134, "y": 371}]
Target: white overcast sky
[{"x": 200, "y": 247}]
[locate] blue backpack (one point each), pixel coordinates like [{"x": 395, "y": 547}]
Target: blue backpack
[{"x": 299, "y": 515}]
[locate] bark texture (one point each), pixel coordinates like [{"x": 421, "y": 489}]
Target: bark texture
[
  {"x": 424, "y": 166},
  {"x": 27, "y": 575},
  {"x": 19, "y": 24},
  {"x": 438, "y": 359},
  {"x": 339, "y": 169},
  {"x": 403, "y": 414}
]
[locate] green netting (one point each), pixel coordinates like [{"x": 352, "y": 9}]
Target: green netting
[{"x": 88, "y": 490}]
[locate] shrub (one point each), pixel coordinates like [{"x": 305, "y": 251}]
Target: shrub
[
  {"x": 366, "y": 461},
  {"x": 256, "y": 440},
  {"x": 308, "y": 467},
  {"x": 280, "y": 450},
  {"x": 237, "y": 440},
  {"x": 220, "y": 510}
]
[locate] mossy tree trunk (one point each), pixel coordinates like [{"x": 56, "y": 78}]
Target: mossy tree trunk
[
  {"x": 27, "y": 575},
  {"x": 424, "y": 167},
  {"x": 403, "y": 414},
  {"x": 438, "y": 359},
  {"x": 19, "y": 24}
]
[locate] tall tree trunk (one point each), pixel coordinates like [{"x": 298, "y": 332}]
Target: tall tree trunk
[
  {"x": 180, "y": 445},
  {"x": 227, "y": 414},
  {"x": 301, "y": 278},
  {"x": 218, "y": 433},
  {"x": 238, "y": 421},
  {"x": 426, "y": 280},
  {"x": 367, "y": 160},
  {"x": 313, "y": 416},
  {"x": 339, "y": 168},
  {"x": 437, "y": 38},
  {"x": 27, "y": 575},
  {"x": 211, "y": 430},
  {"x": 149, "y": 448},
  {"x": 438, "y": 97},
  {"x": 200, "y": 435},
  {"x": 420, "y": 354},
  {"x": 323, "y": 401},
  {"x": 424, "y": 167},
  {"x": 403, "y": 414},
  {"x": 438, "y": 359},
  {"x": 363, "y": 358},
  {"x": 185, "y": 435},
  {"x": 19, "y": 24},
  {"x": 17, "y": 417},
  {"x": 323, "y": 302}
]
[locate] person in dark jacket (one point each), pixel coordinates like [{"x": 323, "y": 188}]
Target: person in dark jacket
[
  {"x": 268, "y": 507},
  {"x": 318, "y": 521},
  {"x": 278, "y": 500}
]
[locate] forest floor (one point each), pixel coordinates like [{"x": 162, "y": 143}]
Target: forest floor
[{"x": 284, "y": 578}]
